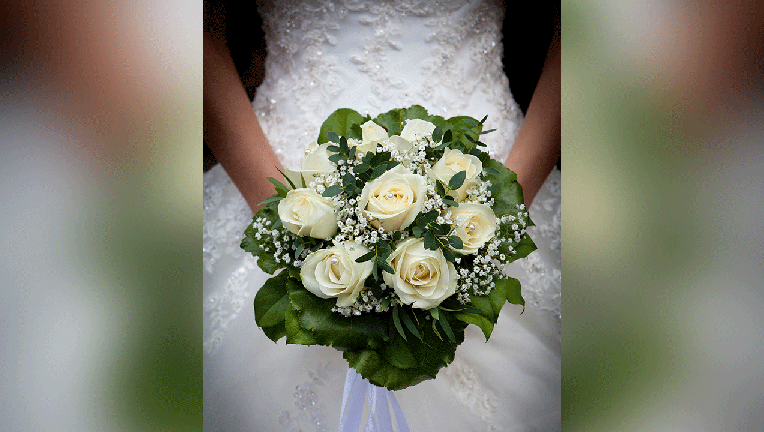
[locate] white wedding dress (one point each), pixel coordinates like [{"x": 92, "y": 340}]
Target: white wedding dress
[{"x": 373, "y": 56}]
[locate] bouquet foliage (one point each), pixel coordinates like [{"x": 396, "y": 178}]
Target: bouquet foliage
[{"x": 392, "y": 238}]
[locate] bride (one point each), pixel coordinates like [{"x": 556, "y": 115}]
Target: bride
[{"x": 373, "y": 56}]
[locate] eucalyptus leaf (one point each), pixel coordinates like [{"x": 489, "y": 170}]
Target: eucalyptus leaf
[
  {"x": 450, "y": 202},
  {"x": 332, "y": 191},
  {"x": 366, "y": 257},
  {"x": 456, "y": 242},
  {"x": 457, "y": 180}
]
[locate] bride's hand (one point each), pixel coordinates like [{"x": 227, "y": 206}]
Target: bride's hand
[
  {"x": 231, "y": 129},
  {"x": 537, "y": 146}
]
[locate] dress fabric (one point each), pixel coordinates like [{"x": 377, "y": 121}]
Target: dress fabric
[{"x": 373, "y": 56}]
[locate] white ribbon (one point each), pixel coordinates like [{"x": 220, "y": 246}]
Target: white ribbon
[{"x": 354, "y": 399}]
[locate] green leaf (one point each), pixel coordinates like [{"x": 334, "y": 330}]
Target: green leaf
[
  {"x": 385, "y": 266},
  {"x": 348, "y": 181},
  {"x": 440, "y": 229},
  {"x": 409, "y": 323},
  {"x": 456, "y": 242},
  {"x": 431, "y": 355},
  {"x": 268, "y": 263},
  {"x": 378, "y": 171},
  {"x": 450, "y": 202},
  {"x": 295, "y": 334},
  {"x": 457, "y": 180},
  {"x": 340, "y": 122},
  {"x": 448, "y": 137},
  {"x": 397, "y": 322},
  {"x": 399, "y": 355},
  {"x": 332, "y": 329},
  {"x": 287, "y": 179},
  {"x": 485, "y": 325},
  {"x": 361, "y": 168},
  {"x": 448, "y": 255},
  {"x": 281, "y": 190},
  {"x": 510, "y": 288},
  {"x": 434, "y": 313},
  {"x": 333, "y": 137},
  {"x": 336, "y": 158},
  {"x": 440, "y": 189},
  {"x": 271, "y": 303},
  {"x": 355, "y": 130},
  {"x": 437, "y": 134},
  {"x": 332, "y": 191},
  {"x": 274, "y": 198},
  {"x": 507, "y": 193},
  {"x": 435, "y": 329},
  {"x": 523, "y": 248},
  {"x": 447, "y": 328},
  {"x": 488, "y": 131},
  {"x": 430, "y": 242},
  {"x": 366, "y": 257}
]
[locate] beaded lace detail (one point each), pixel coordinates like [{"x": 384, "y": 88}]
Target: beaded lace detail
[{"x": 444, "y": 55}]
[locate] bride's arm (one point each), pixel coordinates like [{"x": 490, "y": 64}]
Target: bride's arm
[
  {"x": 231, "y": 128},
  {"x": 537, "y": 146}
]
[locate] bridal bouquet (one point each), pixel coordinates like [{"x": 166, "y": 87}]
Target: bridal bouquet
[{"x": 392, "y": 238}]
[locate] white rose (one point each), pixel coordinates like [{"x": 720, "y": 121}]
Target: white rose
[
  {"x": 333, "y": 272},
  {"x": 475, "y": 224},
  {"x": 454, "y": 161},
  {"x": 416, "y": 129},
  {"x": 316, "y": 161},
  {"x": 423, "y": 278},
  {"x": 306, "y": 213},
  {"x": 372, "y": 132},
  {"x": 393, "y": 200}
]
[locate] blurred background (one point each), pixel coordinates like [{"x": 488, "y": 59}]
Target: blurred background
[
  {"x": 663, "y": 215},
  {"x": 100, "y": 279},
  {"x": 100, "y": 273}
]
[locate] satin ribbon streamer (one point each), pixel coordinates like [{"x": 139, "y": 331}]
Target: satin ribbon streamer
[{"x": 354, "y": 399}]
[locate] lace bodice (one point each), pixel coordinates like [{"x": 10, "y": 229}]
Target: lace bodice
[{"x": 373, "y": 56}]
